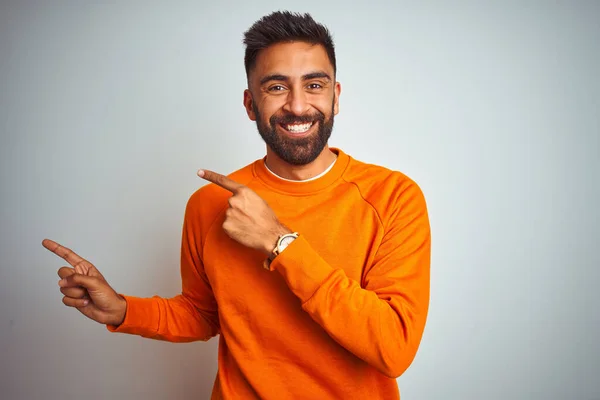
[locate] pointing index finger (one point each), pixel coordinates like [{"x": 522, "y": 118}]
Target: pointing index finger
[
  {"x": 220, "y": 180},
  {"x": 67, "y": 254}
]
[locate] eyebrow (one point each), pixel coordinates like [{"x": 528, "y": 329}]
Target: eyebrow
[{"x": 279, "y": 77}]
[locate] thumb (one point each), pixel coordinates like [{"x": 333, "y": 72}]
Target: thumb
[
  {"x": 66, "y": 271},
  {"x": 74, "y": 280}
]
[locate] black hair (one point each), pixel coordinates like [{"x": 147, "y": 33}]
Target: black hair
[{"x": 285, "y": 26}]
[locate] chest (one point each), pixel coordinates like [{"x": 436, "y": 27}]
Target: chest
[{"x": 342, "y": 228}]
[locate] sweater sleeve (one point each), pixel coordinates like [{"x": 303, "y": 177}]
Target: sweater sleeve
[
  {"x": 382, "y": 320},
  {"x": 189, "y": 316}
]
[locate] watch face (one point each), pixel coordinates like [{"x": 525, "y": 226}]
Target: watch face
[{"x": 285, "y": 242}]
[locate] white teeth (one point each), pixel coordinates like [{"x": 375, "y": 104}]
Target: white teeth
[{"x": 298, "y": 128}]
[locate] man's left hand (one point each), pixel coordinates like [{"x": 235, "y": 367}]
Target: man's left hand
[{"x": 249, "y": 220}]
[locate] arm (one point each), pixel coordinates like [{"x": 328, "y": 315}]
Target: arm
[
  {"x": 382, "y": 320},
  {"x": 187, "y": 317}
]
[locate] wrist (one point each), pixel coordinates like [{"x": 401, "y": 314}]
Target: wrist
[
  {"x": 273, "y": 238},
  {"x": 122, "y": 310}
]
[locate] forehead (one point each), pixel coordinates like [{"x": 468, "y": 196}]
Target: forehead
[{"x": 292, "y": 59}]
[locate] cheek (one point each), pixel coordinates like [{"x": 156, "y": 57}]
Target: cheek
[
  {"x": 324, "y": 104},
  {"x": 266, "y": 109},
  {"x": 267, "y": 112},
  {"x": 326, "y": 110}
]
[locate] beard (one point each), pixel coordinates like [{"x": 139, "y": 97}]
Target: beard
[{"x": 296, "y": 151}]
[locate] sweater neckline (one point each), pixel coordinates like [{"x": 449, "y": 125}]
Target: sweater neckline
[
  {"x": 305, "y": 180},
  {"x": 302, "y": 187}
]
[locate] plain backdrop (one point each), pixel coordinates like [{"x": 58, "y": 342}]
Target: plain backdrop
[{"x": 493, "y": 108}]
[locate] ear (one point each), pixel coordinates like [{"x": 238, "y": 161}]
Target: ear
[
  {"x": 248, "y": 101},
  {"x": 336, "y": 99}
]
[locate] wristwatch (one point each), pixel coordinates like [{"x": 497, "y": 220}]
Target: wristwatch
[{"x": 283, "y": 242}]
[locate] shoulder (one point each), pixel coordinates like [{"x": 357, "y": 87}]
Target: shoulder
[{"x": 387, "y": 191}]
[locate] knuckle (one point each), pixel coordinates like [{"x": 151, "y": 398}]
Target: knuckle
[
  {"x": 78, "y": 279},
  {"x": 93, "y": 272},
  {"x": 83, "y": 266}
]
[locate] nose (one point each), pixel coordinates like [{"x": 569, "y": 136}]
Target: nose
[{"x": 297, "y": 103}]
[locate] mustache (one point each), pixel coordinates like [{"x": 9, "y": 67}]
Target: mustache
[{"x": 296, "y": 119}]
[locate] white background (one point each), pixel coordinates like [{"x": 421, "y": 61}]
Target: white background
[{"x": 107, "y": 111}]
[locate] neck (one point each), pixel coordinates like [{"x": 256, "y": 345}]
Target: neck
[{"x": 300, "y": 172}]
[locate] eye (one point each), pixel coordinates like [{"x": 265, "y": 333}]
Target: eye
[
  {"x": 315, "y": 86},
  {"x": 276, "y": 88}
]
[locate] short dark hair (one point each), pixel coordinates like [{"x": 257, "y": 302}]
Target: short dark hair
[{"x": 285, "y": 26}]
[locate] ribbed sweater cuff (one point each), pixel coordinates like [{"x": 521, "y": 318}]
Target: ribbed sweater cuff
[
  {"x": 141, "y": 318},
  {"x": 302, "y": 268}
]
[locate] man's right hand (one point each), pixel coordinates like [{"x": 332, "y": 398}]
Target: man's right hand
[{"x": 86, "y": 289}]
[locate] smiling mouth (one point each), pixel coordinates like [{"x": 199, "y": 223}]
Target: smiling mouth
[{"x": 297, "y": 128}]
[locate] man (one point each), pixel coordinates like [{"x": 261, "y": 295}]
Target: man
[{"x": 312, "y": 266}]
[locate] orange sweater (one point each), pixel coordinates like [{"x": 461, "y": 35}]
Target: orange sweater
[{"x": 342, "y": 311}]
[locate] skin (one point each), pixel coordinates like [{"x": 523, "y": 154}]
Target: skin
[
  {"x": 85, "y": 289},
  {"x": 291, "y": 93},
  {"x": 298, "y": 85}
]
